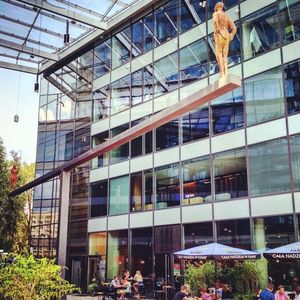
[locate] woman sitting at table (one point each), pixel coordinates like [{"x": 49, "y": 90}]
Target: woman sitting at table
[
  {"x": 138, "y": 284},
  {"x": 125, "y": 288}
]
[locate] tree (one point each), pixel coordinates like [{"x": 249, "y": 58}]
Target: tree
[
  {"x": 4, "y": 190},
  {"x": 28, "y": 278}
]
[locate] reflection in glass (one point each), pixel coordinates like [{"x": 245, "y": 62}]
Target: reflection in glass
[
  {"x": 193, "y": 62},
  {"x": 119, "y": 196},
  {"x": 269, "y": 167},
  {"x": 167, "y": 186},
  {"x": 167, "y": 135},
  {"x": 295, "y": 160},
  {"x": 137, "y": 37},
  {"x": 260, "y": 32},
  {"x": 137, "y": 87},
  {"x": 289, "y": 16},
  {"x": 230, "y": 173},
  {"x": 264, "y": 97},
  {"x": 102, "y": 59},
  {"x": 166, "y": 74},
  {"x": 200, "y": 8},
  {"x": 141, "y": 251},
  {"x": 292, "y": 86},
  {"x": 227, "y": 112},
  {"x": 101, "y": 103},
  {"x": 98, "y": 204},
  {"x": 186, "y": 20},
  {"x": 122, "y": 152},
  {"x": 117, "y": 253},
  {"x": 98, "y": 139},
  {"x": 120, "y": 49},
  {"x": 166, "y": 22},
  {"x": 148, "y": 189},
  {"x": 197, "y": 234},
  {"x": 136, "y": 191},
  {"x": 120, "y": 94},
  {"x": 272, "y": 232},
  {"x": 149, "y": 32},
  {"x": 137, "y": 143},
  {"x": 234, "y": 233},
  {"x": 196, "y": 181},
  {"x": 195, "y": 125},
  {"x": 97, "y": 243}
]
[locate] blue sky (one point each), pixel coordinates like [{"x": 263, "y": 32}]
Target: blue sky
[{"x": 19, "y": 136}]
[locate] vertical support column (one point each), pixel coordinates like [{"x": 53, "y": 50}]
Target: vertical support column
[{"x": 63, "y": 219}]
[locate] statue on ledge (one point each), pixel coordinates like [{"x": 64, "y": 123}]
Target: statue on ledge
[{"x": 224, "y": 32}]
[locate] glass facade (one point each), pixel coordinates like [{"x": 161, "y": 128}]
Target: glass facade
[{"x": 227, "y": 171}]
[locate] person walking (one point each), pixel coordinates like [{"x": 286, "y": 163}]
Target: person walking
[{"x": 267, "y": 294}]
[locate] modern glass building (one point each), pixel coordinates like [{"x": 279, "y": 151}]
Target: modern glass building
[{"x": 227, "y": 172}]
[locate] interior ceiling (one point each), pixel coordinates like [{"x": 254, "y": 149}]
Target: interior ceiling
[{"x": 32, "y": 31}]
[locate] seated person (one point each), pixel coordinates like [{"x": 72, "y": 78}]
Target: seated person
[
  {"x": 182, "y": 294},
  {"x": 115, "y": 283},
  {"x": 138, "y": 284},
  {"x": 204, "y": 294},
  {"x": 125, "y": 288}
]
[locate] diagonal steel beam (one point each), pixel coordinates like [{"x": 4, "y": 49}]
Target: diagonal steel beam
[
  {"x": 189, "y": 103},
  {"x": 19, "y": 58},
  {"x": 66, "y": 13},
  {"x": 19, "y": 68},
  {"x": 28, "y": 40},
  {"x": 45, "y": 13},
  {"x": 26, "y": 49}
]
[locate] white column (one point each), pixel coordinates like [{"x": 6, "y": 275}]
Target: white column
[{"x": 63, "y": 218}]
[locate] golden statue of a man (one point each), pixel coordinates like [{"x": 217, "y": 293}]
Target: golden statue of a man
[{"x": 224, "y": 32}]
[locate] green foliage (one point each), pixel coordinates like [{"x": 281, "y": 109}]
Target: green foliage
[
  {"x": 244, "y": 276},
  {"x": 15, "y": 231},
  {"x": 200, "y": 274},
  {"x": 27, "y": 278}
]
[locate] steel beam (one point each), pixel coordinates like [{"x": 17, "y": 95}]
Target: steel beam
[
  {"x": 19, "y": 68},
  {"x": 66, "y": 13},
  {"x": 28, "y": 40},
  {"x": 26, "y": 49},
  {"x": 189, "y": 103}
]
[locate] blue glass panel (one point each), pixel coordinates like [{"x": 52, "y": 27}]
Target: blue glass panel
[
  {"x": 102, "y": 59},
  {"x": 148, "y": 32},
  {"x": 137, "y": 38},
  {"x": 200, "y": 7},
  {"x": 227, "y": 111},
  {"x": 186, "y": 20},
  {"x": 120, "y": 94},
  {"x": 292, "y": 86},
  {"x": 166, "y": 22}
]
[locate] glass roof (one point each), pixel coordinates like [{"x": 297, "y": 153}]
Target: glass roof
[{"x": 29, "y": 33}]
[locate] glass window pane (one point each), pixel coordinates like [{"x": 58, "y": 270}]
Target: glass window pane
[
  {"x": 148, "y": 83},
  {"x": 200, "y": 7},
  {"x": 122, "y": 152},
  {"x": 292, "y": 86},
  {"x": 148, "y": 189},
  {"x": 193, "y": 62},
  {"x": 97, "y": 243},
  {"x": 186, "y": 20},
  {"x": 102, "y": 59},
  {"x": 166, "y": 74},
  {"x": 137, "y": 87},
  {"x": 197, "y": 234},
  {"x": 136, "y": 192},
  {"x": 195, "y": 125},
  {"x": 196, "y": 180},
  {"x": 167, "y": 135},
  {"x": 260, "y": 32},
  {"x": 136, "y": 144},
  {"x": 141, "y": 251},
  {"x": 148, "y": 32},
  {"x": 137, "y": 38},
  {"x": 119, "y": 196},
  {"x": 99, "y": 193},
  {"x": 101, "y": 103},
  {"x": 120, "y": 49},
  {"x": 230, "y": 173},
  {"x": 295, "y": 159},
  {"x": 98, "y": 140},
  {"x": 167, "y": 186},
  {"x": 166, "y": 22},
  {"x": 117, "y": 253},
  {"x": 289, "y": 16},
  {"x": 234, "y": 233},
  {"x": 264, "y": 97},
  {"x": 269, "y": 167},
  {"x": 120, "y": 95},
  {"x": 227, "y": 112}
]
